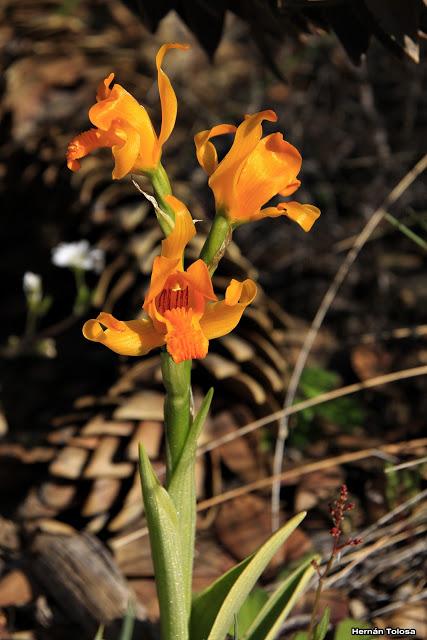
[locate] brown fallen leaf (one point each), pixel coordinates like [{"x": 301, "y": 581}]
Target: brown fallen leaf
[
  {"x": 316, "y": 487},
  {"x": 370, "y": 360},
  {"x": 245, "y": 524}
]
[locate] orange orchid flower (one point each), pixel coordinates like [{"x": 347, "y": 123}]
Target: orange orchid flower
[
  {"x": 253, "y": 171},
  {"x": 125, "y": 126},
  {"x": 181, "y": 307}
]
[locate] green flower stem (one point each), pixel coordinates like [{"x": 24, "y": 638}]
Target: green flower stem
[
  {"x": 177, "y": 382},
  {"x": 217, "y": 241},
  {"x": 84, "y": 294},
  {"x": 178, "y": 422},
  {"x": 162, "y": 187}
]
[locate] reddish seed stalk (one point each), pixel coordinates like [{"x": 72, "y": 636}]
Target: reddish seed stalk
[{"x": 337, "y": 509}]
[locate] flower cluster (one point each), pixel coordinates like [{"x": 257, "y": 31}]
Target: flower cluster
[{"x": 181, "y": 310}]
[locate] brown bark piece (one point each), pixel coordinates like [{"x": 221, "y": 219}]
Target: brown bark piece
[
  {"x": 69, "y": 463},
  {"x": 149, "y": 433},
  {"x": 132, "y": 507},
  {"x": 103, "y": 493},
  {"x": 80, "y": 575},
  {"x": 146, "y": 405},
  {"x": 99, "y": 426},
  {"x": 57, "y": 496},
  {"x": 15, "y": 589},
  {"x": 238, "y": 348},
  {"x": 101, "y": 464},
  {"x": 219, "y": 367}
]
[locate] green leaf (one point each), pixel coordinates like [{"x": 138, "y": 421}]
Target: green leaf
[
  {"x": 182, "y": 490},
  {"x": 162, "y": 523},
  {"x": 271, "y": 617},
  {"x": 99, "y": 633},
  {"x": 126, "y": 631},
  {"x": 249, "y": 610},
  {"x": 322, "y": 627},
  {"x": 213, "y": 610},
  {"x": 343, "y": 630}
]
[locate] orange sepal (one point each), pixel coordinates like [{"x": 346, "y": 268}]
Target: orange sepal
[{"x": 129, "y": 338}]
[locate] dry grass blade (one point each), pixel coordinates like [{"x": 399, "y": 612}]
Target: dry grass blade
[{"x": 326, "y": 303}]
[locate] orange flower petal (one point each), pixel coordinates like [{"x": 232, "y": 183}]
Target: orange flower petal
[
  {"x": 205, "y": 150},
  {"x": 173, "y": 246},
  {"x": 290, "y": 188},
  {"x": 129, "y": 338},
  {"x": 248, "y": 134},
  {"x": 303, "y": 214},
  {"x": 85, "y": 142},
  {"x": 222, "y": 317},
  {"x": 125, "y": 154},
  {"x": 167, "y": 94},
  {"x": 162, "y": 269},
  {"x": 269, "y": 169},
  {"x": 197, "y": 275},
  {"x": 185, "y": 339},
  {"x": 104, "y": 88}
]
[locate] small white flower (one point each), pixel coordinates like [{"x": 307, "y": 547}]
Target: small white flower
[
  {"x": 32, "y": 285},
  {"x": 78, "y": 255}
]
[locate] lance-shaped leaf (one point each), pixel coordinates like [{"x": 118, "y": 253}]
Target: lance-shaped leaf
[
  {"x": 322, "y": 627},
  {"x": 182, "y": 490},
  {"x": 268, "y": 622},
  {"x": 213, "y": 610},
  {"x": 162, "y": 523}
]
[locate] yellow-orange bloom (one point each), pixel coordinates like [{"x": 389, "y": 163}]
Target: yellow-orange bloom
[
  {"x": 182, "y": 309},
  {"x": 125, "y": 126},
  {"x": 253, "y": 171}
]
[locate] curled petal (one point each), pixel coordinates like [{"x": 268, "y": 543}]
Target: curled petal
[
  {"x": 290, "y": 188},
  {"x": 104, "y": 88},
  {"x": 85, "y": 142},
  {"x": 173, "y": 246},
  {"x": 167, "y": 94},
  {"x": 222, "y": 317},
  {"x": 271, "y": 168},
  {"x": 303, "y": 214},
  {"x": 205, "y": 150},
  {"x": 248, "y": 134},
  {"x": 129, "y": 338}
]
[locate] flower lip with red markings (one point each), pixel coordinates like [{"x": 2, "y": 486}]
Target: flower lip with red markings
[
  {"x": 254, "y": 170},
  {"x": 124, "y": 125},
  {"x": 182, "y": 310}
]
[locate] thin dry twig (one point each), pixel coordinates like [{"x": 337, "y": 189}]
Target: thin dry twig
[
  {"x": 407, "y": 465},
  {"x": 325, "y": 305},
  {"x": 312, "y": 402}
]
